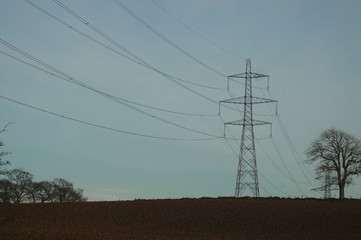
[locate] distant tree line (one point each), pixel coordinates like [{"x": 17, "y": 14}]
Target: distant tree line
[{"x": 17, "y": 186}]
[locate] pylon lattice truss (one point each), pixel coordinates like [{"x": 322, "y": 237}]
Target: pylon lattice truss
[
  {"x": 247, "y": 176},
  {"x": 328, "y": 185}
]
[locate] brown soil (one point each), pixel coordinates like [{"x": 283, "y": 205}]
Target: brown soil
[{"x": 183, "y": 219}]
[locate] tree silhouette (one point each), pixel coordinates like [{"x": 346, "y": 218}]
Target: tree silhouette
[
  {"x": 2, "y": 154},
  {"x": 21, "y": 182},
  {"x": 337, "y": 153}
]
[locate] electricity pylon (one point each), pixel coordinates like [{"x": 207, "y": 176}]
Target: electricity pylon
[
  {"x": 247, "y": 176},
  {"x": 327, "y": 187}
]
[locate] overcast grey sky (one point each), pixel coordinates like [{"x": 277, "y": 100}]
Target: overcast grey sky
[{"x": 310, "y": 49}]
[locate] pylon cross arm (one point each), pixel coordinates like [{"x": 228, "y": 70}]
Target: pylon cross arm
[
  {"x": 248, "y": 75},
  {"x": 253, "y": 123},
  {"x": 242, "y": 100}
]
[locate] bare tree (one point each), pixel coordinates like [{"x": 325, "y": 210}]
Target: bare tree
[
  {"x": 337, "y": 153},
  {"x": 44, "y": 191},
  {"x": 6, "y": 191},
  {"x": 64, "y": 191},
  {"x": 2, "y": 154},
  {"x": 22, "y": 183},
  {"x": 19, "y": 187}
]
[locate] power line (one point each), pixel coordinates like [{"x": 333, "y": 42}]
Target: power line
[
  {"x": 274, "y": 186},
  {"x": 104, "y": 127},
  {"x": 69, "y": 118},
  {"x": 136, "y": 59},
  {"x": 290, "y": 145},
  {"x": 164, "y": 38},
  {"x": 292, "y": 148},
  {"x": 143, "y": 62},
  {"x": 264, "y": 189},
  {"x": 122, "y": 99},
  {"x": 113, "y": 98},
  {"x": 289, "y": 175},
  {"x": 195, "y": 32},
  {"x": 95, "y": 125},
  {"x": 112, "y": 49},
  {"x": 284, "y": 164}
]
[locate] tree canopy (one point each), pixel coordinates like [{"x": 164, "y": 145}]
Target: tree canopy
[{"x": 19, "y": 188}]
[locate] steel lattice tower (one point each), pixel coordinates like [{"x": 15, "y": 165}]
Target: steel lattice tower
[
  {"x": 327, "y": 187},
  {"x": 247, "y": 175}
]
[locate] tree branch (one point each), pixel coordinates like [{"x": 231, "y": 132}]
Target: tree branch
[{"x": 6, "y": 126}]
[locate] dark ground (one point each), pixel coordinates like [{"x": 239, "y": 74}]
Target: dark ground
[{"x": 221, "y": 218}]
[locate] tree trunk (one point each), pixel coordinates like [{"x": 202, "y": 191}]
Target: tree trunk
[{"x": 341, "y": 189}]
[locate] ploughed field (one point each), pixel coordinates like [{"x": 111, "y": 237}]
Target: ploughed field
[{"x": 221, "y": 218}]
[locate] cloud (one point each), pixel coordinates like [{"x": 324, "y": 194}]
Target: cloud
[{"x": 99, "y": 193}]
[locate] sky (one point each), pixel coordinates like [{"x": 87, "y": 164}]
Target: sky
[{"x": 60, "y": 74}]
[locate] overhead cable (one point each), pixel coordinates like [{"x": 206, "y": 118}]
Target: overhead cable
[
  {"x": 143, "y": 62},
  {"x": 289, "y": 175},
  {"x": 104, "y": 127},
  {"x": 293, "y": 149},
  {"x": 153, "y": 30},
  {"x": 122, "y": 99},
  {"x": 195, "y": 32},
  {"x": 113, "y": 98},
  {"x": 290, "y": 145},
  {"x": 282, "y": 160},
  {"x": 112, "y": 49}
]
